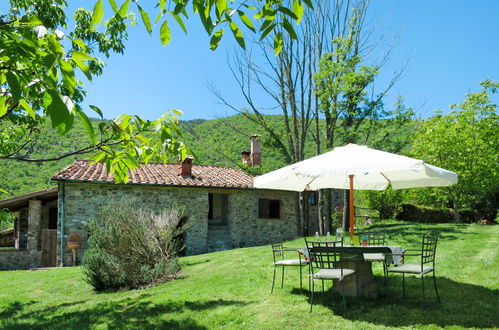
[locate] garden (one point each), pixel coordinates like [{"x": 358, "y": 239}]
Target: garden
[{"x": 231, "y": 289}]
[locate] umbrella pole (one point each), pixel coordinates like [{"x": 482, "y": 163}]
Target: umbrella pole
[{"x": 352, "y": 211}]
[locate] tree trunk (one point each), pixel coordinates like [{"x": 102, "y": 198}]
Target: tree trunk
[
  {"x": 346, "y": 211},
  {"x": 457, "y": 216},
  {"x": 328, "y": 210},
  {"x": 320, "y": 214}
]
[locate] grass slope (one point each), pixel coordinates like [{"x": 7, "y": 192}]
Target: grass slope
[{"x": 231, "y": 289}]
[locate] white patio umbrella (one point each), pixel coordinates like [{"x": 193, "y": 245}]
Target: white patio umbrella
[{"x": 356, "y": 167}]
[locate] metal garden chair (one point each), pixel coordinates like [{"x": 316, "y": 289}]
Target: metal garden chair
[
  {"x": 278, "y": 251},
  {"x": 375, "y": 239},
  {"x": 324, "y": 265},
  {"x": 425, "y": 266}
]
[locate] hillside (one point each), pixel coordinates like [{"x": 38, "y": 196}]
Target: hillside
[{"x": 214, "y": 142}]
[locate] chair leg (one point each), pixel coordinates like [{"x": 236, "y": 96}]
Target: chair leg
[
  {"x": 282, "y": 278},
  {"x": 273, "y": 281},
  {"x": 301, "y": 284},
  {"x": 422, "y": 284},
  {"x": 403, "y": 285},
  {"x": 312, "y": 295},
  {"x": 385, "y": 272},
  {"x": 435, "y": 284},
  {"x": 323, "y": 294}
]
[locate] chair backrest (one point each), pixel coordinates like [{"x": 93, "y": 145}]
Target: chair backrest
[
  {"x": 429, "y": 248},
  {"x": 277, "y": 251},
  {"x": 322, "y": 254},
  {"x": 375, "y": 239}
]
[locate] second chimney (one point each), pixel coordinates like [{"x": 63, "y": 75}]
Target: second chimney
[
  {"x": 186, "y": 167},
  {"x": 256, "y": 155}
]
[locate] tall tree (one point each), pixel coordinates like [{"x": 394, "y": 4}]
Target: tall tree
[
  {"x": 40, "y": 58},
  {"x": 465, "y": 141},
  {"x": 288, "y": 81}
]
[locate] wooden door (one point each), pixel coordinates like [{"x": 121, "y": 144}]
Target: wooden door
[{"x": 49, "y": 247}]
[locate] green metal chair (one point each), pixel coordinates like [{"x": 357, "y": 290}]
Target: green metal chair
[
  {"x": 426, "y": 265},
  {"x": 324, "y": 265},
  {"x": 375, "y": 239},
  {"x": 278, "y": 251}
]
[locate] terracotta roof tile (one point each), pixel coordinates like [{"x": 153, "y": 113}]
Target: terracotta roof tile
[{"x": 160, "y": 174}]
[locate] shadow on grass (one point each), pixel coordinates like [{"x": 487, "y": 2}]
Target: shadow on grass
[
  {"x": 124, "y": 313},
  {"x": 462, "y": 305}
]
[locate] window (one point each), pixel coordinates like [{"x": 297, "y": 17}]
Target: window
[
  {"x": 269, "y": 208},
  {"x": 218, "y": 209}
]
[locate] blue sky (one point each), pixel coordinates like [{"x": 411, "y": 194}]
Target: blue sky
[{"x": 448, "y": 46}]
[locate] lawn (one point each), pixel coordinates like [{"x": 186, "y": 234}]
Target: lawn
[{"x": 231, "y": 289}]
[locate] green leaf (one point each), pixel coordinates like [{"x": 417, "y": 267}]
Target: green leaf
[
  {"x": 49, "y": 61},
  {"x": 15, "y": 87},
  {"x": 98, "y": 13},
  {"x": 82, "y": 56},
  {"x": 87, "y": 124},
  {"x": 124, "y": 8},
  {"x": 298, "y": 9},
  {"x": 145, "y": 19},
  {"x": 28, "y": 108},
  {"x": 245, "y": 19},
  {"x": 180, "y": 22},
  {"x": 278, "y": 43},
  {"x": 288, "y": 12},
  {"x": 113, "y": 5},
  {"x": 221, "y": 6},
  {"x": 56, "y": 109},
  {"x": 68, "y": 75},
  {"x": 289, "y": 28},
  {"x": 84, "y": 68},
  {"x": 309, "y": 3},
  {"x": 3, "y": 106},
  {"x": 164, "y": 33},
  {"x": 238, "y": 34},
  {"x": 267, "y": 31},
  {"x": 162, "y": 4},
  {"x": 97, "y": 110},
  {"x": 80, "y": 43},
  {"x": 179, "y": 7},
  {"x": 215, "y": 39}
]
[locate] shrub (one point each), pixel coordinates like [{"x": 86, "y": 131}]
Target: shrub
[
  {"x": 132, "y": 247},
  {"x": 425, "y": 214},
  {"x": 386, "y": 202}
]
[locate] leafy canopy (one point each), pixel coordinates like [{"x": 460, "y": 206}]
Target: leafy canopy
[
  {"x": 40, "y": 65},
  {"x": 465, "y": 141}
]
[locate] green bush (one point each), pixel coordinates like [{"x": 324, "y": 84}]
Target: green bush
[
  {"x": 386, "y": 202},
  {"x": 132, "y": 247},
  {"x": 426, "y": 214}
]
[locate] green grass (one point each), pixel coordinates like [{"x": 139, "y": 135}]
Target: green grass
[{"x": 231, "y": 289}]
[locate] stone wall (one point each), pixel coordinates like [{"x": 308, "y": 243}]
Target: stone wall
[
  {"x": 247, "y": 229},
  {"x": 19, "y": 259},
  {"x": 82, "y": 202}
]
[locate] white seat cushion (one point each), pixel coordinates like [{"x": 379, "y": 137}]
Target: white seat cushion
[
  {"x": 290, "y": 262},
  {"x": 333, "y": 274},
  {"x": 411, "y": 269},
  {"x": 374, "y": 256}
]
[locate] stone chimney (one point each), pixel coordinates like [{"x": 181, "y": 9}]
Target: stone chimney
[
  {"x": 253, "y": 157},
  {"x": 246, "y": 154},
  {"x": 256, "y": 155},
  {"x": 185, "y": 168}
]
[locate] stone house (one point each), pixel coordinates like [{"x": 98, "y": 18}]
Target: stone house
[
  {"x": 32, "y": 242},
  {"x": 223, "y": 208}
]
